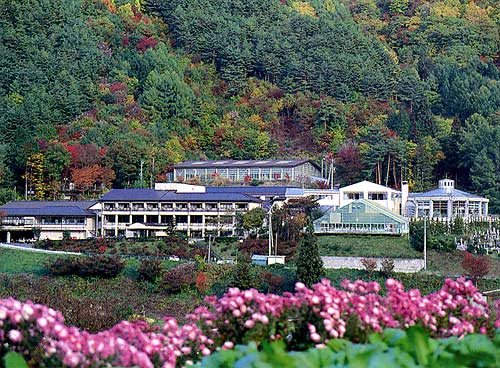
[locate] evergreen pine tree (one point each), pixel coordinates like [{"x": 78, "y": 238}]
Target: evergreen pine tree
[{"x": 309, "y": 263}]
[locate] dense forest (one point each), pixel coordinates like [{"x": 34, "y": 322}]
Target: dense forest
[{"x": 94, "y": 92}]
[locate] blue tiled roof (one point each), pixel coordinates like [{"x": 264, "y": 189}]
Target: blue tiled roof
[
  {"x": 243, "y": 163},
  {"x": 268, "y": 191},
  {"x": 441, "y": 192},
  {"x": 48, "y": 208},
  {"x": 128, "y": 195},
  {"x": 133, "y": 195}
]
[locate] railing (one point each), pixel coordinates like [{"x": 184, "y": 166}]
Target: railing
[
  {"x": 18, "y": 223},
  {"x": 360, "y": 231}
]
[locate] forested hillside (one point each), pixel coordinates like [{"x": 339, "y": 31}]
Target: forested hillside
[{"x": 91, "y": 90}]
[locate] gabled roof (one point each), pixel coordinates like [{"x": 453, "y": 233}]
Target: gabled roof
[
  {"x": 363, "y": 184},
  {"x": 286, "y": 162},
  {"x": 48, "y": 208},
  {"x": 446, "y": 193},
  {"x": 131, "y": 195},
  {"x": 380, "y": 209}
]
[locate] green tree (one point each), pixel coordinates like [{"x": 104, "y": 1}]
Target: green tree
[
  {"x": 57, "y": 158},
  {"x": 253, "y": 219},
  {"x": 309, "y": 263}
]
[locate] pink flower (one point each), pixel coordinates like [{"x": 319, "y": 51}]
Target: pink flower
[{"x": 15, "y": 336}]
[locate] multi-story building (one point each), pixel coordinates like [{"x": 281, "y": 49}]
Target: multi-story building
[
  {"x": 183, "y": 208},
  {"x": 389, "y": 198},
  {"x": 29, "y": 220},
  {"x": 239, "y": 171}
]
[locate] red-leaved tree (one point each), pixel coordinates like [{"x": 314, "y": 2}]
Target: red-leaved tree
[{"x": 475, "y": 266}]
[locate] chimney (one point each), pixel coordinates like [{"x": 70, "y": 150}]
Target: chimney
[{"x": 404, "y": 197}]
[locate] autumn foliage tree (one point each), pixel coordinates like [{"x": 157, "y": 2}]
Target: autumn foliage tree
[
  {"x": 475, "y": 266},
  {"x": 92, "y": 178}
]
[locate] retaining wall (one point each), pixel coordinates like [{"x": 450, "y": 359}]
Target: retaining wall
[{"x": 406, "y": 265}]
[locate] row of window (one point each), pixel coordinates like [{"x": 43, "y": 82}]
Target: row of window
[
  {"x": 173, "y": 206},
  {"x": 167, "y": 220},
  {"x": 374, "y": 196}
]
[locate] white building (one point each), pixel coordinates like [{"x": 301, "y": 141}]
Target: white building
[
  {"x": 446, "y": 202},
  {"x": 389, "y": 198},
  {"x": 29, "y": 220},
  {"x": 184, "y": 208}
]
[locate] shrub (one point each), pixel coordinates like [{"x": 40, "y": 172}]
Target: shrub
[
  {"x": 202, "y": 283},
  {"x": 150, "y": 270},
  {"x": 243, "y": 275},
  {"x": 179, "y": 277},
  {"x": 300, "y": 320},
  {"x": 272, "y": 283},
  {"x": 387, "y": 267},
  {"x": 100, "y": 266},
  {"x": 369, "y": 264},
  {"x": 475, "y": 266}
]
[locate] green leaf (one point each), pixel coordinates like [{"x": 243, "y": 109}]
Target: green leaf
[
  {"x": 420, "y": 341},
  {"x": 14, "y": 360}
]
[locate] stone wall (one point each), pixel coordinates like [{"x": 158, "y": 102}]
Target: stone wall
[{"x": 407, "y": 265}]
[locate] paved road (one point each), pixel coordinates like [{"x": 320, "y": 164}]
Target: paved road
[{"x": 29, "y": 248}]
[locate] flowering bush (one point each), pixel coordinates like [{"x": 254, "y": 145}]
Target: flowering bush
[
  {"x": 100, "y": 266},
  {"x": 300, "y": 320}
]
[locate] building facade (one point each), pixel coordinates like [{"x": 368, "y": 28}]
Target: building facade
[
  {"x": 187, "y": 209},
  {"x": 389, "y": 198},
  {"x": 33, "y": 220},
  {"x": 239, "y": 171},
  {"x": 446, "y": 202},
  {"x": 361, "y": 216}
]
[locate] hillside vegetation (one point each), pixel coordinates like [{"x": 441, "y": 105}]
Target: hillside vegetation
[{"x": 391, "y": 90}]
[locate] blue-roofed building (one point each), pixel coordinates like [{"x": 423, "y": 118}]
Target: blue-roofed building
[
  {"x": 29, "y": 220},
  {"x": 192, "y": 209},
  {"x": 446, "y": 202},
  {"x": 239, "y": 171}
]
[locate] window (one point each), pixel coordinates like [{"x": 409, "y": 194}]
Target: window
[
  {"x": 109, "y": 219},
  {"x": 353, "y": 195},
  {"x": 377, "y": 196},
  {"x": 440, "y": 208}
]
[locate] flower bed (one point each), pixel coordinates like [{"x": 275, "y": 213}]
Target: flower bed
[{"x": 303, "y": 319}]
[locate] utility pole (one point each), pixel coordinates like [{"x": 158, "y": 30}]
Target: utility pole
[
  {"x": 425, "y": 243},
  {"x": 209, "y": 244},
  {"x": 140, "y": 174},
  {"x": 270, "y": 231}
]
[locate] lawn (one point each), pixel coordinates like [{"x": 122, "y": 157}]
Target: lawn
[
  {"x": 450, "y": 263},
  {"x": 18, "y": 261},
  {"x": 366, "y": 246},
  {"x": 14, "y": 261}
]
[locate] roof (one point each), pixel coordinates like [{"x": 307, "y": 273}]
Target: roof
[
  {"x": 268, "y": 191},
  {"x": 446, "y": 193},
  {"x": 365, "y": 183},
  {"x": 48, "y": 208},
  {"x": 242, "y": 163},
  {"x": 369, "y": 203},
  {"x": 129, "y": 195}
]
